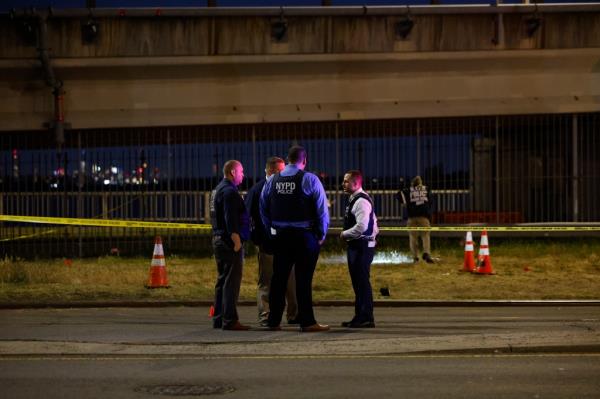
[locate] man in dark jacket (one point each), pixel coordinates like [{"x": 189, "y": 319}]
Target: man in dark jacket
[
  {"x": 262, "y": 240},
  {"x": 417, "y": 202},
  {"x": 293, "y": 207},
  {"x": 229, "y": 220}
]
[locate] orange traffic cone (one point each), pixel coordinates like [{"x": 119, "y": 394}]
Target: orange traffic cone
[
  {"x": 469, "y": 263},
  {"x": 158, "y": 269},
  {"x": 484, "y": 263}
]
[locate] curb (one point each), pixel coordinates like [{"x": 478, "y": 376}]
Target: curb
[
  {"x": 378, "y": 303},
  {"x": 500, "y": 351},
  {"x": 520, "y": 350}
]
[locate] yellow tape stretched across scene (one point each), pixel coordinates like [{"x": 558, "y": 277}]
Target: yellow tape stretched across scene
[
  {"x": 194, "y": 226},
  {"x": 102, "y": 222}
]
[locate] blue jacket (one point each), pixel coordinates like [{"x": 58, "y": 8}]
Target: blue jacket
[{"x": 227, "y": 212}]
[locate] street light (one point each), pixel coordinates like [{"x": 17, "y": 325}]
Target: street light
[
  {"x": 90, "y": 31},
  {"x": 404, "y": 26},
  {"x": 532, "y": 25}
]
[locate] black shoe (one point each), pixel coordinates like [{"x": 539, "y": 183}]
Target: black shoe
[
  {"x": 415, "y": 260},
  {"x": 293, "y": 321},
  {"x": 347, "y": 323},
  {"x": 363, "y": 324},
  {"x": 427, "y": 258}
]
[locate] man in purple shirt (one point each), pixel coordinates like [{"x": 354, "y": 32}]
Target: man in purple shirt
[{"x": 293, "y": 208}]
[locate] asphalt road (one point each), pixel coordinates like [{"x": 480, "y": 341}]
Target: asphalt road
[
  {"x": 396, "y": 376},
  {"x": 419, "y": 352}
]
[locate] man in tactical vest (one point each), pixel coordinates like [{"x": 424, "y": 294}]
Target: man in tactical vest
[
  {"x": 293, "y": 207},
  {"x": 229, "y": 220},
  {"x": 360, "y": 231},
  {"x": 416, "y": 199},
  {"x": 263, "y": 241}
]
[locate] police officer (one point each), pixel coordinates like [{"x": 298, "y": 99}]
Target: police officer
[
  {"x": 416, "y": 199},
  {"x": 293, "y": 207},
  {"x": 262, "y": 240},
  {"x": 229, "y": 220},
  {"x": 360, "y": 230}
]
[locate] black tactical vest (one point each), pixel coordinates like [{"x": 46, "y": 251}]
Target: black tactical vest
[
  {"x": 288, "y": 201},
  {"x": 350, "y": 219}
]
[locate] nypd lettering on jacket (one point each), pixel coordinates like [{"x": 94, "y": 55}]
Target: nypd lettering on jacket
[{"x": 285, "y": 187}]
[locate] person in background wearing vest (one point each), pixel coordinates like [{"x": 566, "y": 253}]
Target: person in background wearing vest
[
  {"x": 262, "y": 240},
  {"x": 416, "y": 200},
  {"x": 293, "y": 207},
  {"x": 230, "y": 226},
  {"x": 360, "y": 230}
]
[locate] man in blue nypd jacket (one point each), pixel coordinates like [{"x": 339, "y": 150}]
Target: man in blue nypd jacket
[
  {"x": 230, "y": 225},
  {"x": 293, "y": 207},
  {"x": 360, "y": 230}
]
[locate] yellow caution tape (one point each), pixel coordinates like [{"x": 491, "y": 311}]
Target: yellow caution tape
[
  {"x": 103, "y": 222},
  {"x": 23, "y": 237},
  {"x": 493, "y": 228},
  {"x": 169, "y": 225}
]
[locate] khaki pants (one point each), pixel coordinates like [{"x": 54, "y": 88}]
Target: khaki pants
[
  {"x": 265, "y": 273},
  {"x": 414, "y": 236}
]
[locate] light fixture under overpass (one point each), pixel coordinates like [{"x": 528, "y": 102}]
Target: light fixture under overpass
[
  {"x": 533, "y": 23},
  {"x": 279, "y": 29},
  {"x": 27, "y": 27},
  {"x": 90, "y": 31},
  {"x": 403, "y": 27}
]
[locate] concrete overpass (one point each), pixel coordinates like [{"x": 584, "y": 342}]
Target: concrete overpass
[{"x": 169, "y": 67}]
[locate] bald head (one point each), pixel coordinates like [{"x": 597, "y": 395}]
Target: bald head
[{"x": 233, "y": 171}]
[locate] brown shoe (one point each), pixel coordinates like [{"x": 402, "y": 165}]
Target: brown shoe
[
  {"x": 273, "y": 328},
  {"x": 237, "y": 326},
  {"x": 315, "y": 328}
]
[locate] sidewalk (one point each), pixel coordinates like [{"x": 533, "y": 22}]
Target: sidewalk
[
  {"x": 381, "y": 303},
  {"x": 186, "y": 332}
]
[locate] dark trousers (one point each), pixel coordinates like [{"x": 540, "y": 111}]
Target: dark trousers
[
  {"x": 360, "y": 257},
  {"x": 229, "y": 279},
  {"x": 299, "y": 248}
]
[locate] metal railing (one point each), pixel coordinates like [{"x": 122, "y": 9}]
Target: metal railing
[
  {"x": 192, "y": 207},
  {"x": 496, "y": 169}
]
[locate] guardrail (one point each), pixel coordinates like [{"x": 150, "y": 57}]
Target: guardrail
[{"x": 192, "y": 206}]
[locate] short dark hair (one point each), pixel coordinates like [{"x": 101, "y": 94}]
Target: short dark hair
[
  {"x": 296, "y": 154},
  {"x": 229, "y": 166},
  {"x": 272, "y": 163},
  {"x": 356, "y": 176}
]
